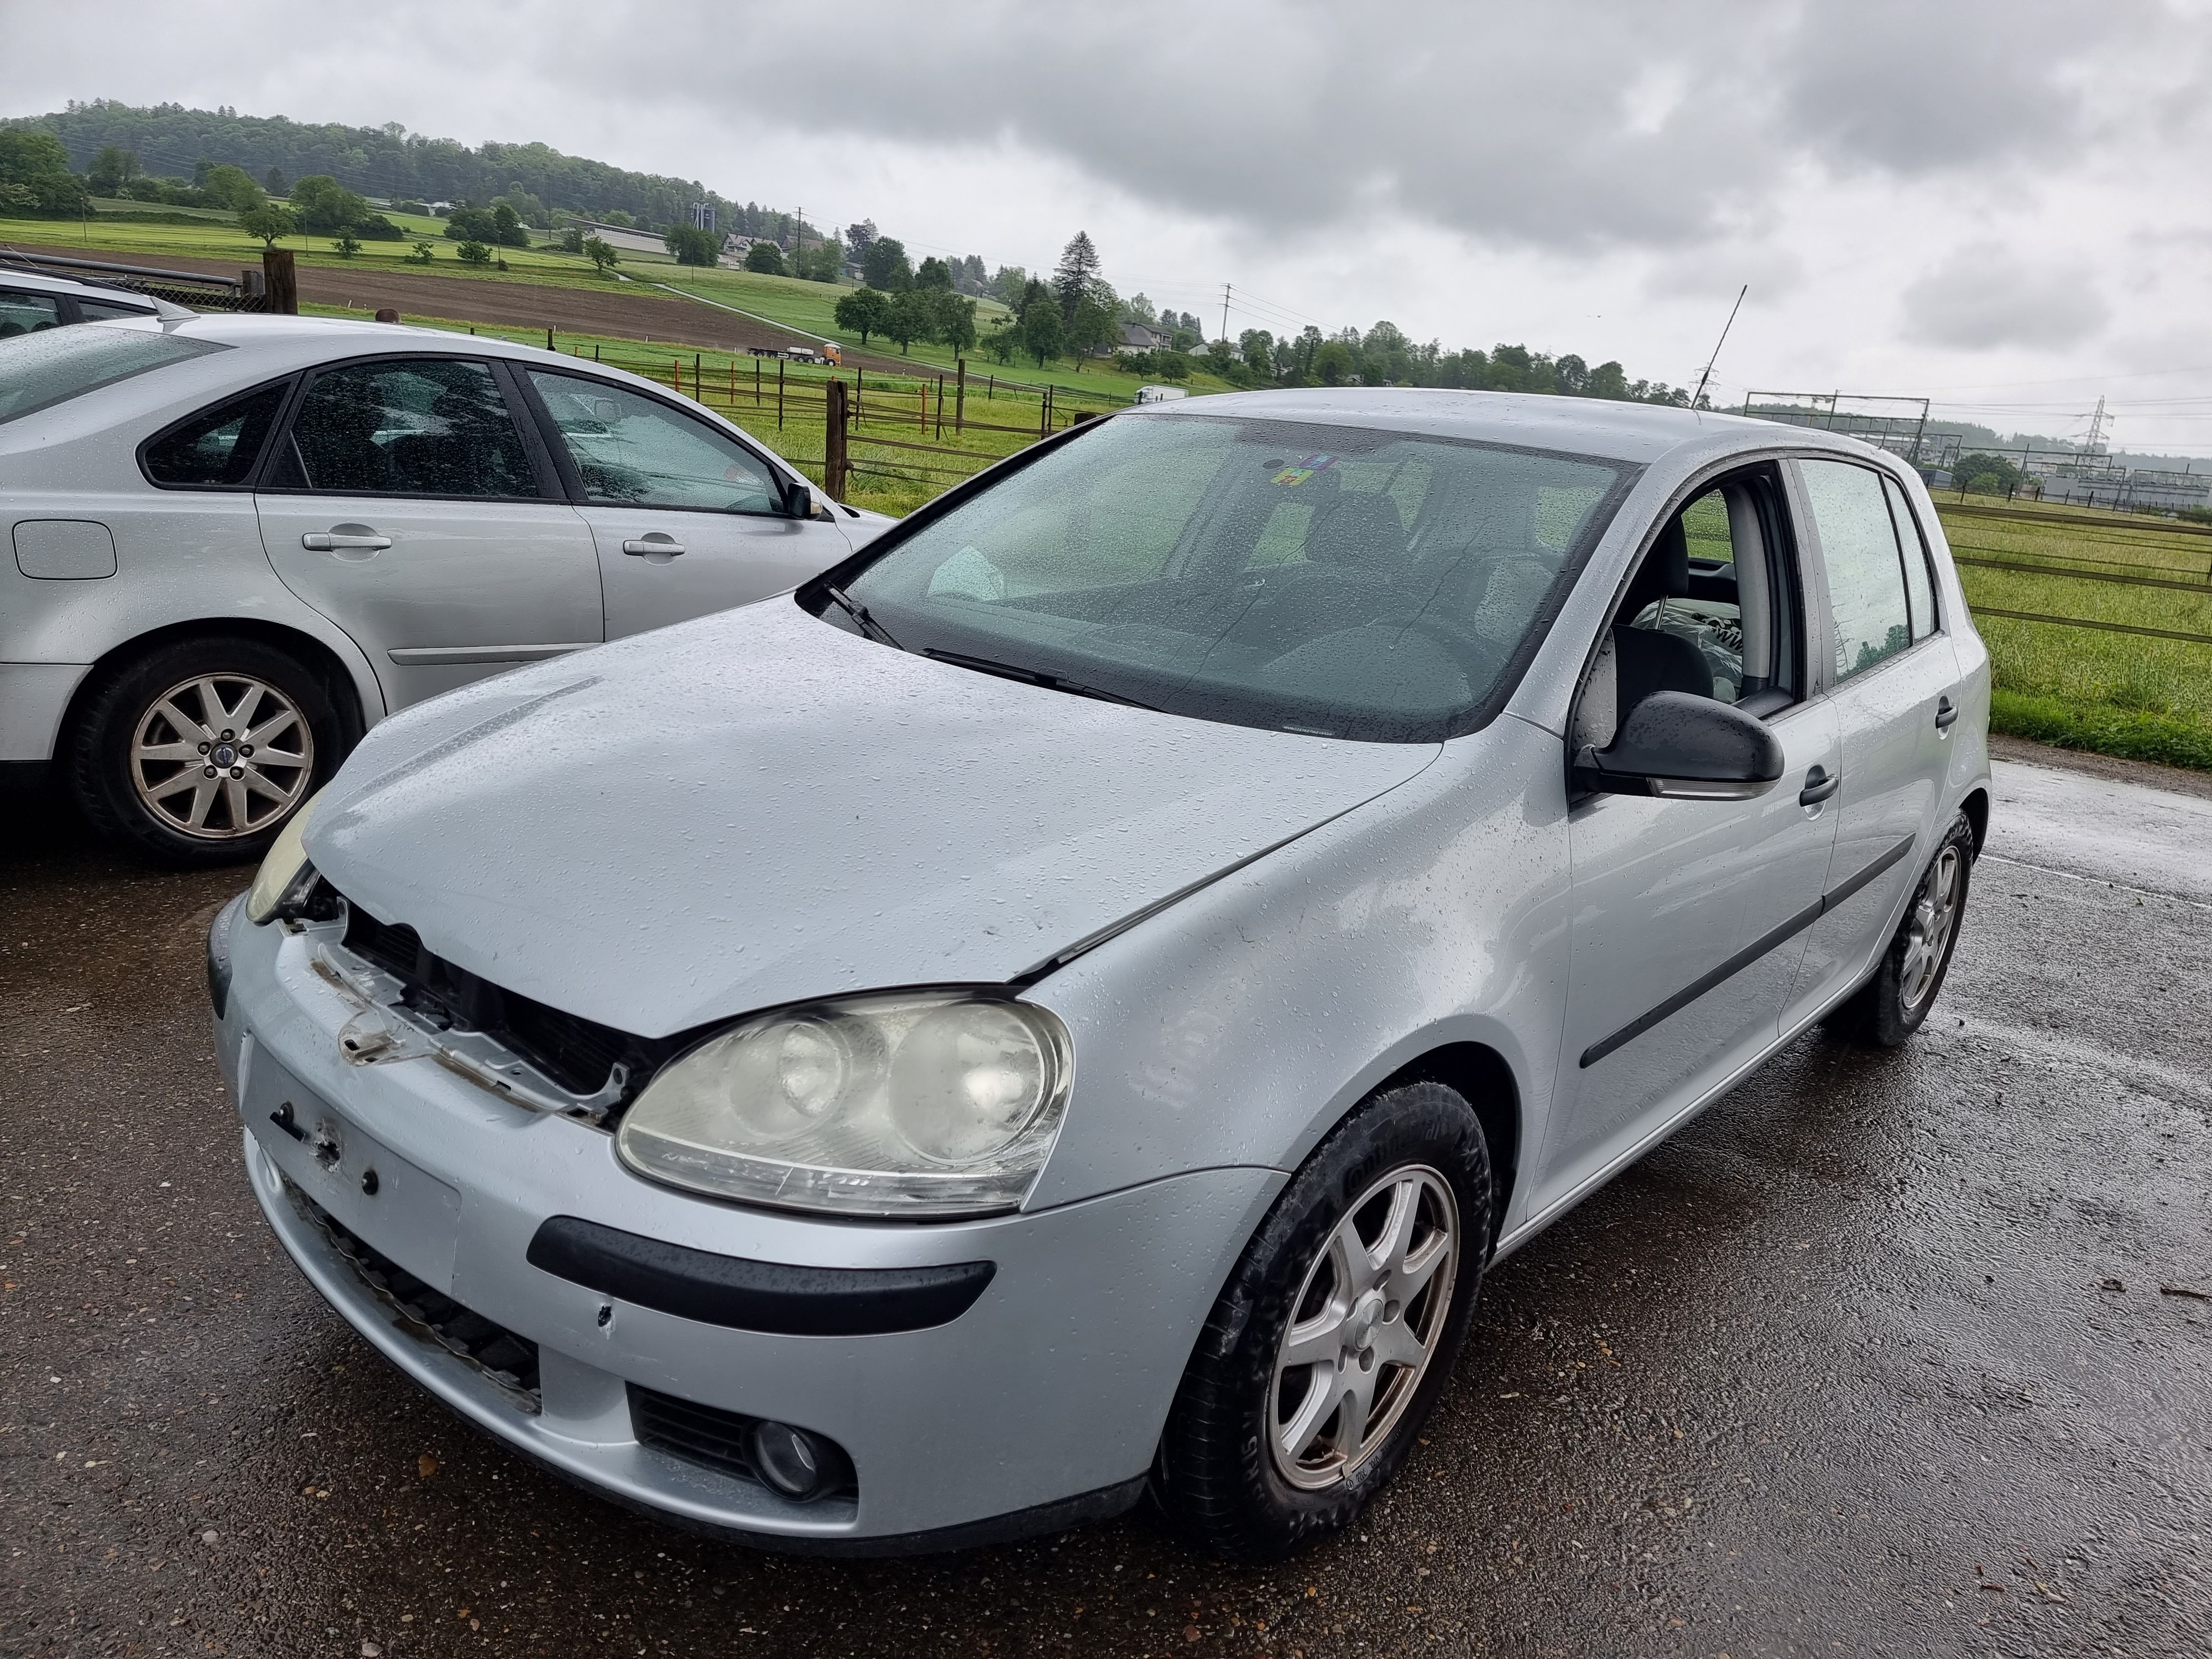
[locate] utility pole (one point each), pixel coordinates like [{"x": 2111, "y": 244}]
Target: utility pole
[
  {"x": 2096, "y": 427},
  {"x": 1224, "y": 311}
]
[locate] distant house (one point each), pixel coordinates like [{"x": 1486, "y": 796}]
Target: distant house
[
  {"x": 1142, "y": 336},
  {"x": 735, "y": 246}
]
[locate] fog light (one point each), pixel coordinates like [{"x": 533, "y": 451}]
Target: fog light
[{"x": 792, "y": 1460}]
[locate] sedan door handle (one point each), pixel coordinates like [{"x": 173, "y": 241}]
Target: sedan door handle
[
  {"x": 345, "y": 541},
  {"x": 654, "y": 543},
  {"x": 1819, "y": 784},
  {"x": 1946, "y": 713}
]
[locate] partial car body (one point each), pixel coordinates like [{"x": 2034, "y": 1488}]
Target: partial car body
[
  {"x": 1331, "y": 833},
  {"x": 238, "y": 542}
]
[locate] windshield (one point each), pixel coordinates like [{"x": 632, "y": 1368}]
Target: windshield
[
  {"x": 41, "y": 369},
  {"x": 1338, "y": 580}
]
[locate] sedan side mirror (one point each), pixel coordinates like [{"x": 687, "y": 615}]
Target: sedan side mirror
[
  {"x": 1677, "y": 744},
  {"x": 798, "y": 499}
]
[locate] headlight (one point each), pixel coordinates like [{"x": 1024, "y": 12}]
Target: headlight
[
  {"x": 901, "y": 1103},
  {"x": 287, "y": 858}
]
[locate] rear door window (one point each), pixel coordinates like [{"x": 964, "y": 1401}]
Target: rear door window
[
  {"x": 424, "y": 426},
  {"x": 1919, "y": 579},
  {"x": 1867, "y": 604}
]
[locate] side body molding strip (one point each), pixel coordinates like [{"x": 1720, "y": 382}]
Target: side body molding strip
[{"x": 1743, "y": 958}]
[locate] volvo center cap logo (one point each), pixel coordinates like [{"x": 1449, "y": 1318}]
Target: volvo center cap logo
[{"x": 224, "y": 755}]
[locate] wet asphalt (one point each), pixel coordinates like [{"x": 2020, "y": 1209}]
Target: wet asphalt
[{"x": 1899, "y": 1354}]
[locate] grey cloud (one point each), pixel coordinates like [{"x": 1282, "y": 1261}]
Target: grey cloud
[{"x": 1985, "y": 295}]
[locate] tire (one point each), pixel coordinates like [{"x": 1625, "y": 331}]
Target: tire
[
  {"x": 1246, "y": 1469},
  {"x": 148, "y": 726},
  {"x": 1890, "y": 1006}
]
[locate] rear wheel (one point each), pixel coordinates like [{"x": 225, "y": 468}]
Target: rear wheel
[
  {"x": 1334, "y": 1336},
  {"x": 197, "y": 753},
  {"x": 1890, "y": 1007}
]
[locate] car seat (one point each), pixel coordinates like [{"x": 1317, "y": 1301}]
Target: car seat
[{"x": 1647, "y": 660}]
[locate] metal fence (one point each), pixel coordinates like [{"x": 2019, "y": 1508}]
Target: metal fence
[{"x": 195, "y": 290}]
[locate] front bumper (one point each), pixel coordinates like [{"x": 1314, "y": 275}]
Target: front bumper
[{"x": 1039, "y": 1406}]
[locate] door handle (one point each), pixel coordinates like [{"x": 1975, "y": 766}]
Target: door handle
[
  {"x": 1819, "y": 784},
  {"x": 345, "y": 541},
  {"x": 1946, "y": 713},
  {"x": 655, "y": 543}
]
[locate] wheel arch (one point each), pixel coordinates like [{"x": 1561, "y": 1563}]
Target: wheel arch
[
  {"x": 1976, "y": 806},
  {"x": 1480, "y": 1075},
  {"x": 344, "y": 681}
]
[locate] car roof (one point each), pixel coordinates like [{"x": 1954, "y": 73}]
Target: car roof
[
  {"x": 1641, "y": 433},
  {"x": 16, "y": 276}
]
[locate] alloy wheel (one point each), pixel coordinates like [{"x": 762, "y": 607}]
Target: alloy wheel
[
  {"x": 1366, "y": 1324},
  {"x": 1928, "y": 932},
  {"x": 222, "y": 757}
]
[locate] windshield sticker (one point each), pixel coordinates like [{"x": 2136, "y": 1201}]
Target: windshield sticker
[{"x": 1295, "y": 474}]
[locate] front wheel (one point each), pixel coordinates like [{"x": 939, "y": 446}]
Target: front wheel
[
  {"x": 1890, "y": 1007},
  {"x": 1328, "y": 1347}
]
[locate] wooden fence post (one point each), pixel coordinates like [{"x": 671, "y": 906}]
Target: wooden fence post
[
  {"x": 1044, "y": 414},
  {"x": 833, "y": 463},
  {"x": 940, "y": 406},
  {"x": 697, "y": 358},
  {"x": 779, "y": 394},
  {"x": 922, "y": 407},
  {"x": 960, "y": 395},
  {"x": 282, "y": 277},
  {"x": 549, "y": 340}
]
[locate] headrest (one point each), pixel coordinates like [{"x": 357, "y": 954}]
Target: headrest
[
  {"x": 1664, "y": 574},
  {"x": 1359, "y": 533}
]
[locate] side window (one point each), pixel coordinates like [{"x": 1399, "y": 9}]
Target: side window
[
  {"x": 1919, "y": 581},
  {"x": 216, "y": 448},
  {"x": 1858, "y": 549},
  {"x": 21, "y": 313},
  {"x": 632, "y": 452},
  {"x": 430, "y": 425},
  {"x": 104, "y": 311}
]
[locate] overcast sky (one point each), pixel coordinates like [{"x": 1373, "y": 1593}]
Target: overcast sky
[{"x": 2001, "y": 206}]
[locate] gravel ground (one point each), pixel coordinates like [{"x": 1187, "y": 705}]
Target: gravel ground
[{"x": 1894, "y": 1354}]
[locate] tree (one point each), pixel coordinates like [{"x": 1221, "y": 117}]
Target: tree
[
  {"x": 324, "y": 206},
  {"x": 268, "y": 222},
  {"x": 1138, "y": 309},
  {"x": 273, "y": 182},
  {"x": 885, "y": 266},
  {"x": 1986, "y": 475},
  {"x": 1004, "y": 341},
  {"x": 823, "y": 263},
  {"x": 616, "y": 216},
  {"x": 692, "y": 245},
  {"x": 1077, "y": 270},
  {"x": 347, "y": 244},
  {"x": 527, "y": 205},
  {"x": 507, "y": 229},
  {"x": 601, "y": 253},
  {"x": 228, "y": 186},
  {"x": 933, "y": 272},
  {"x": 571, "y": 240},
  {"x": 1332, "y": 362},
  {"x": 1043, "y": 332},
  {"x": 1009, "y": 285},
  {"x": 1091, "y": 329},
  {"x": 953, "y": 320},
  {"x": 111, "y": 169},
  {"x": 1258, "y": 346},
  {"x": 909, "y": 318},
  {"x": 421, "y": 254},
  {"x": 765, "y": 257},
  {"x": 473, "y": 253},
  {"x": 863, "y": 312}
]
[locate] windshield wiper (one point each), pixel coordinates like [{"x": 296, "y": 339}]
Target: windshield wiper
[
  {"x": 860, "y": 613},
  {"x": 1006, "y": 671}
]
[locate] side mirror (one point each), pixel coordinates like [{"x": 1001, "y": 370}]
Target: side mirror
[
  {"x": 798, "y": 499},
  {"x": 1677, "y": 744}
]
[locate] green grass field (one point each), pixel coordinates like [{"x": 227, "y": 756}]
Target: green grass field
[{"x": 2147, "y": 697}]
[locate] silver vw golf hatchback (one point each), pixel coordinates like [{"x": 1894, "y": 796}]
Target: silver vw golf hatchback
[{"x": 1072, "y": 1002}]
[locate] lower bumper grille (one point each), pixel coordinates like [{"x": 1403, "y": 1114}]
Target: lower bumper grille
[
  {"x": 505, "y": 1359},
  {"x": 704, "y": 1434}
]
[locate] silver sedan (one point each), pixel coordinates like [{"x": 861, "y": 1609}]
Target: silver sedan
[
  {"x": 1076, "y": 999},
  {"x": 238, "y": 542}
]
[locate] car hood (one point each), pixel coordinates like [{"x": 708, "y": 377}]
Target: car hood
[{"x": 756, "y": 808}]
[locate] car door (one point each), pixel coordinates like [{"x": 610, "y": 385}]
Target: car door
[
  {"x": 687, "y": 519},
  {"x": 1896, "y": 693},
  {"x": 404, "y": 503},
  {"x": 1689, "y": 916}
]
